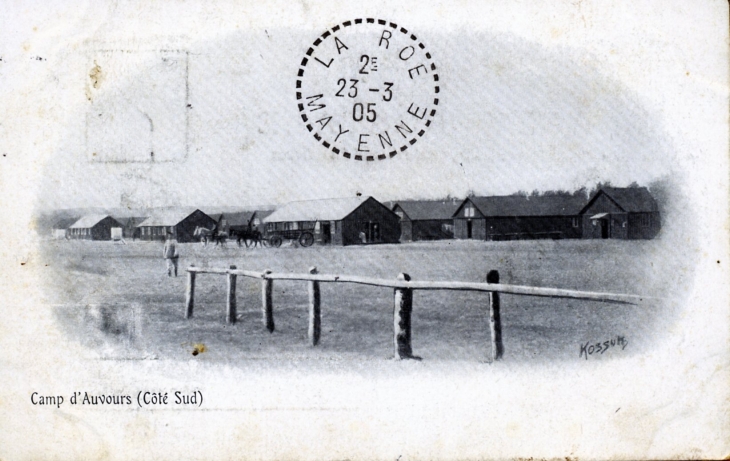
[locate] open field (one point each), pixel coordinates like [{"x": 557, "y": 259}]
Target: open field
[{"x": 117, "y": 300}]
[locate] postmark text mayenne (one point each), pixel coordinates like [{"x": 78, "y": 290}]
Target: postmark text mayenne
[{"x": 367, "y": 89}]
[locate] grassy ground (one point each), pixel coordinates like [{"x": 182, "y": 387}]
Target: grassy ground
[{"x": 118, "y": 300}]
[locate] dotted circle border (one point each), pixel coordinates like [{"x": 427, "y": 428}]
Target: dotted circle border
[{"x": 300, "y": 74}]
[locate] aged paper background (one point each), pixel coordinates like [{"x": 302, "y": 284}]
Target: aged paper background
[{"x": 666, "y": 61}]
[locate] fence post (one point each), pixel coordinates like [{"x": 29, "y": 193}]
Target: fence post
[
  {"x": 190, "y": 293},
  {"x": 495, "y": 322},
  {"x": 315, "y": 313},
  {"x": 266, "y": 301},
  {"x": 402, "y": 307},
  {"x": 231, "y": 302}
]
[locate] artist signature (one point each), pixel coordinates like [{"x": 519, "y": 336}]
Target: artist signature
[{"x": 599, "y": 348}]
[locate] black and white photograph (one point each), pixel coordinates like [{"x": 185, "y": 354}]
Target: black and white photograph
[{"x": 341, "y": 230}]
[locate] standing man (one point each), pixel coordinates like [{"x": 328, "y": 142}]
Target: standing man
[{"x": 170, "y": 255}]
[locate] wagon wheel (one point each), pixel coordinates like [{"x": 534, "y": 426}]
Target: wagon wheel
[
  {"x": 275, "y": 241},
  {"x": 306, "y": 239}
]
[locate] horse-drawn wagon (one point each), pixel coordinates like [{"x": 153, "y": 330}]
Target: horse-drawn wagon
[{"x": 274, "y": 238}]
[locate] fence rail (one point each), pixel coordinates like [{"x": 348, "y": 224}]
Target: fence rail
[{"x": 403, "y": 288}]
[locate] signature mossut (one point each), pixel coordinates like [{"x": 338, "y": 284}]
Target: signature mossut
[{"x": 599, "y": 348}]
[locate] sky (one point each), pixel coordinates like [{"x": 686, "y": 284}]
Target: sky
[{"x": 517, "y": 112}]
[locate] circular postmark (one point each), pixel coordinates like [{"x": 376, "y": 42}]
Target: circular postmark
[{"x": 367, "y": 89}]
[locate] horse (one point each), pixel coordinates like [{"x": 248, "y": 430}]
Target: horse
[
  {"x": 249, "y": 237},
  {"x": 220, "y": 238},
  {"x": 205, "y": 234}
]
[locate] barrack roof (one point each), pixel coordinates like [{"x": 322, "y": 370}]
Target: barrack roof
[
  {"x": 517, "y": 205},
  {"x": 88, "y": 221},
  {"x": 166, "y": 218},
  {"x": 428, "y": 209},
  {"x": 631, "y": 199},
  {"x": 331, "y": 209}
]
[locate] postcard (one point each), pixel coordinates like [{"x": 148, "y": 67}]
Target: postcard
[{"x": 364, "y": 230}]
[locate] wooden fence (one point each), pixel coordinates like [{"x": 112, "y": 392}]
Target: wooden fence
[{"x": 403, "y": 300}]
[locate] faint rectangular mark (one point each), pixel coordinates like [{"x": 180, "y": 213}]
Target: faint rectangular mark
[{"x": 138, "y": 106}]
